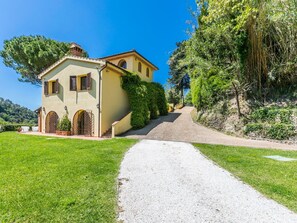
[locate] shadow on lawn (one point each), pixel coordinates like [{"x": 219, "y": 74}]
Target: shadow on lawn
[{"x": 171, "y": 117}]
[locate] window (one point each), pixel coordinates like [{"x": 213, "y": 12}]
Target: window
[
  {"x": 72, "y": 83},
  {"x": 53, "y": 83},
  {"x": 83, "y": 83},
  {"x": 147, "y": 72},
  {"x": 45, "y": 87},
  {"x": 123, "y": 64},
  {"x": 51, "y": 87},
  {"x": 139, "y": 67}
]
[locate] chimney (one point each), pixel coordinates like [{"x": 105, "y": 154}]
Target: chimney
[{"x": 76, "y": 50}]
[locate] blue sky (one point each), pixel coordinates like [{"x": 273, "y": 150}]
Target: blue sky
[{"x": 101, "y": 27}]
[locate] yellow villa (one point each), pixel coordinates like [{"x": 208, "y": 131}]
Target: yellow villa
[{"x": 89, "y": 91}]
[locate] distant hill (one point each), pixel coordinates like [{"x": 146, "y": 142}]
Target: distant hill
[{"x": 14, "y": 113}]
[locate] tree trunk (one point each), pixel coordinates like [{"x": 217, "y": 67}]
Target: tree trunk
[
  {"x": 182, "y": 95},
  {"x": 237, "y": 100}
]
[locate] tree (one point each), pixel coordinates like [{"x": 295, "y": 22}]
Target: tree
[
  {"x": 188, "y": 98},
  {"x": 178, "y": 66},
  {"x": 172, "y": 96},
  {"x": 13, "y": 113},
  {"x": 30, "y": 55}
]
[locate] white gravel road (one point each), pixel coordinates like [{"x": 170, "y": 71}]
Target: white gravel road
[{"x": 172, "y": 182}]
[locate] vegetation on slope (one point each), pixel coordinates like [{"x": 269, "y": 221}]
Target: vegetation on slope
[
  {"x": 241, "y": 50},
  {"x": 13, "y": 113}
]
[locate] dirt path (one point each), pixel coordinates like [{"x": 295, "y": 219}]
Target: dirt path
[
  {"x": 179, "y": 126},
  {"x": 172, "y": 182}
]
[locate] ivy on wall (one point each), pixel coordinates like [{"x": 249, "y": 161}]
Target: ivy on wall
[{"x": 147, "y": 100}]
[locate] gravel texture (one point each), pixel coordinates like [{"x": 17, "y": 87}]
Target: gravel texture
[
  {"x": 178, "y": 126},
  {"x": 163, "y": 181}
]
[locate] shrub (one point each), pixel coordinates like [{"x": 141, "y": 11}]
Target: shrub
[
  {"x": 285, "y": 116},
  {"x": 151, "y": 100},
  {"x": 170, "y": 108},
  {"x": 136, "y": 92},
  {"x": 179, "y": 106},
  {"x": 64, "y": 124},
  {"x": 264, "y": 114},
  {"x": 281, "y": 131},
  {"x": 13, "y": 127},
  {"x": 210, "y": 87},
  {"x": 145, "y": 99},
  {"x": 271, "y": 115},
  {"x": 161, "y": 99},
  {"x": 253, "y": 127}
]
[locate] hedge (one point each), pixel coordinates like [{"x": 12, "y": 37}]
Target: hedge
[
  {"x": 279, "y": 131},
  {"x": 64, "y": 124},
  {"x": 146, "y": 100},
  {"x": 272, "y": 115},
  {"x": 12, "y": 127}
]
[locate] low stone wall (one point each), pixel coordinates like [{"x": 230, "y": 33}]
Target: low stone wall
[{"x": 122, "y": 126}]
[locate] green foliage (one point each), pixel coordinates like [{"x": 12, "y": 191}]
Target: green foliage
[
  {"x": 209, "y": 88},
  {"x": 137, "y": 95},
  {"x": 13, "y": 127},
  {"x": 151, "y": 99},
  {"x": 178, "y": 68},
  {"x": 253, "y": 127},
  {"x": 281, "y": 131},
  {"x": 252, "y": 42},
  {"x": 161, "y": 99},
  {"x": 188, "y": 98},
  {"x": 30, "y": 55},
  {"x": 145, "y": 99},
  {"x": 13, "y": 113},
  {"x": 273, "y": 122},
  {"x": 64, "y": 124},
  {"x": 264, "y": 114},
  {"x": 172, "y": 96},
  {"x": 285, "y": 116},
  {"x": 273, "y": 114}
]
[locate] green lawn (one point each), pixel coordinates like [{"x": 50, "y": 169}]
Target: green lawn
[
  {"x": 59, "y": 180},
  {"x": 275, "y": 179}
]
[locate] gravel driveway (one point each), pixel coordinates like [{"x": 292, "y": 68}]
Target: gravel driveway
[
  {"x": 179, "y": 126},
  {"x": 163, "y": 181}
]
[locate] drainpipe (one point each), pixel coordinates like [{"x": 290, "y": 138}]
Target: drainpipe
[{"x": 99, "y": 89}]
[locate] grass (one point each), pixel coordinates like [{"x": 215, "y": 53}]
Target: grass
[
  {"x": 275, "y": 179},
  {"x": 59, "y": 180}
]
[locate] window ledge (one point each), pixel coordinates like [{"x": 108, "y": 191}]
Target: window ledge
[{"x": 51, "y": 94}]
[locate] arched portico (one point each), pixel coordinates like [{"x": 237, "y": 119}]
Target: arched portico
[
  {"x": 51, "y": 122},
  {"x": 83, "y": 123}
]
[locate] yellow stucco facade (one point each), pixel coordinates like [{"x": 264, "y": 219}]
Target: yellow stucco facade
[
  {"x": 133, "y": 60},
  {"x": 89, "y": 91}
]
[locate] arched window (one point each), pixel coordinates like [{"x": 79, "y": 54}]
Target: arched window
[
  {"x": 139, "y": 67},
  {"x": 123, "y": 64},
  {"x": 147, "y": 72}
]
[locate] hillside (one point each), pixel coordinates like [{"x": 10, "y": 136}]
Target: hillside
[
  {"x": 14, "y": 113},
  {"x": 241, "y": 61}
]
